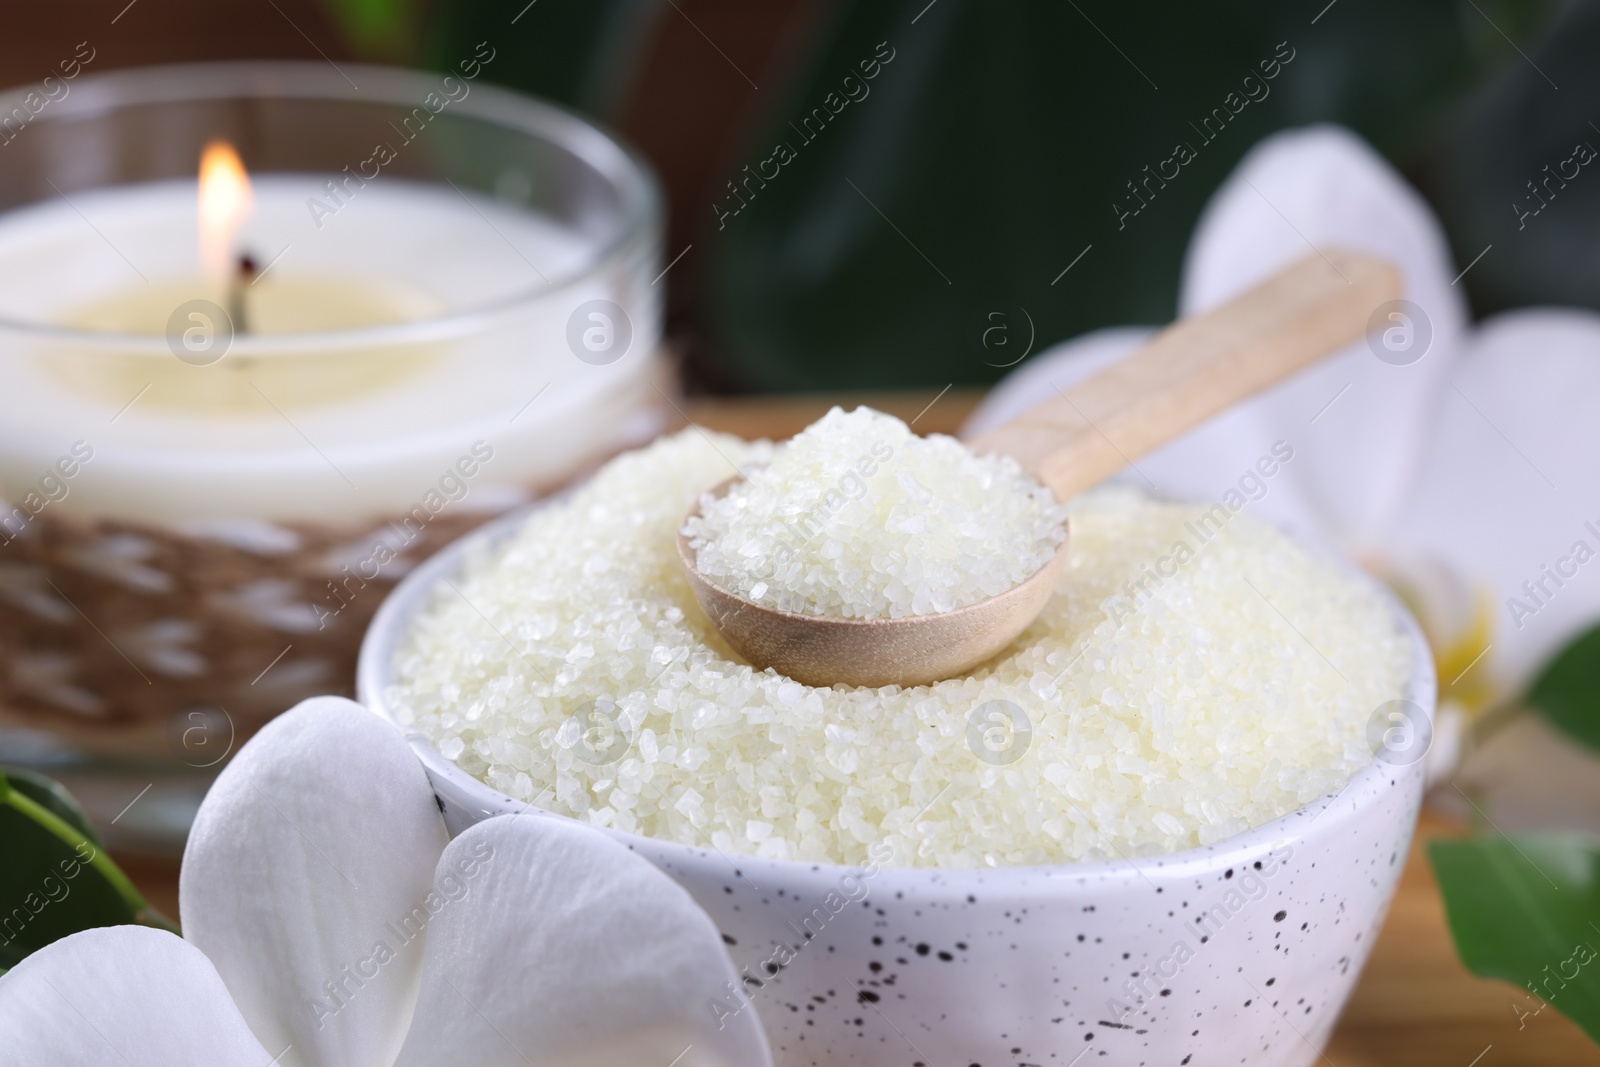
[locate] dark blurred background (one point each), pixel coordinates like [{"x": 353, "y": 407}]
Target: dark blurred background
[{"x": 857, "y": 187}]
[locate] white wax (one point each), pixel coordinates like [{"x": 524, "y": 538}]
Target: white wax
[{"x": 370, "y": 448}]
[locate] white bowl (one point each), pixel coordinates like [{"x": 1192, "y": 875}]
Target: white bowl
[{"x": 1242, "y": 951}]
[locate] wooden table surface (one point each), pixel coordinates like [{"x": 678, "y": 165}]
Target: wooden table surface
[{"x": 1415, "y": 1006}]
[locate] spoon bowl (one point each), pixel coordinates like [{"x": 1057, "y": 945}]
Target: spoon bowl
[{"x": 822, "y": 650}]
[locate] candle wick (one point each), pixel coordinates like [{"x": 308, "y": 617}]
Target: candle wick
[{"x": 242, "y": 277}]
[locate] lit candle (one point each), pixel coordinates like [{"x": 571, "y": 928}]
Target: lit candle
[
  {"x": 227, "y": 424},
  {"x": 358, "y": 376}
]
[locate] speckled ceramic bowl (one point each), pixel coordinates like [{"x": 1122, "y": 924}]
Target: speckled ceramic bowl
[{"x": 1241, "y": 952}]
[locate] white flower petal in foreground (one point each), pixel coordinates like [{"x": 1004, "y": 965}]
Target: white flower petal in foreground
[
  {"x": 638, "y": 948},
  {"x": 122, "y": 995},
  {"x": 319, "y": 837},
  {"x": 342, "y": 931}
]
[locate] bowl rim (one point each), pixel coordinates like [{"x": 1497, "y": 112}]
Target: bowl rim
[
  {"x": 417, "y": 589},
  {"x": 636, "y": 231}
]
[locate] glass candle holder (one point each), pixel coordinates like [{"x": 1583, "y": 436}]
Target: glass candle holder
[{"x": 435, "y": 302}]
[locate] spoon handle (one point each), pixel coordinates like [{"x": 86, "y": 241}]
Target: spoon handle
[{"x": 1196, "y": 368}]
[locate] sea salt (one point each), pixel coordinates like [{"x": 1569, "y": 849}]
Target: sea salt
[
  {"x": 1166, "y": 705},
  {"x": 858, "y": 517}
]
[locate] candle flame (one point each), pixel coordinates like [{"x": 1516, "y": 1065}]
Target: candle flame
[{"x": 225, "y": 202}]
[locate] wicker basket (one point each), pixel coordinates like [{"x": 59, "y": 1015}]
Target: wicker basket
[{"x": 132, "y": 642}]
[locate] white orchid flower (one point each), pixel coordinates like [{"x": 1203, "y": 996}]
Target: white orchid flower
[
  {"x": 330, "y": 922},
  {"x": 1459, "y": 461}
]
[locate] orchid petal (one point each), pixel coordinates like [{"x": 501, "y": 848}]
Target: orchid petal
[
  {"x": 554, "y": 945},
  {"x": 1051, "y": 372},
  {"x": 1357, "y": 424},
  {"x": 316, "y": 840},
  {"x": 1057, "y": 367},
  {"x": 1354, "y": 424},
  {"x": 122, "y": 996},
  {"x": 1164, "y": 472},
  {"x": 1510, "y": 487}
]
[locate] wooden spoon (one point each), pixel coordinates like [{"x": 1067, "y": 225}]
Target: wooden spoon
[{"x": 1189, "y": 372}]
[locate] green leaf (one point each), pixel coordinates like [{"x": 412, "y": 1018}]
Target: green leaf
[
  {"x": 1527, "y": 910},
  {"x": 52, "y": 796},
  {"x": 376, "y": 29},
  {"x": 1568, "y": 690},
  {"x": 55, "y": 876}
]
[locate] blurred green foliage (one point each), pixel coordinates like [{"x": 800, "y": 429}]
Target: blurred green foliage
[
  {"x": 1001, "y": 142},
  {"x": 581, "y": 53},
  {"x": 1507, "y": 174},
  {"x": 903, "y": 213},
  {"x": 377, "y": 29}
]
